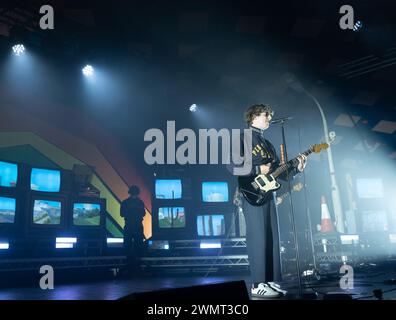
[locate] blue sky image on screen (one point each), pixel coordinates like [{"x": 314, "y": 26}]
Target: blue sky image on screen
[
  {"x": 171, "y": 217},
  {"x": 86, "y": 214},
  {"x": 8, "y": 174},
  {"x": 210, "y": 225},
  {"x": 215, "y": 191},
  {"x": 7, "y": 210},
  {"x": 370, "y": 188},
  {"x": 46, "y": 212},
  {"x": 168, "y": 189},
  {"x": 45, "y": 180}
]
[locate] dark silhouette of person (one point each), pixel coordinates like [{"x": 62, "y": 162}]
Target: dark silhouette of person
[{"x": 133, "y": 211}]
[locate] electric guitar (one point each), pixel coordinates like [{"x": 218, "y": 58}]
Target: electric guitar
[{"x": 257, "y": 190}]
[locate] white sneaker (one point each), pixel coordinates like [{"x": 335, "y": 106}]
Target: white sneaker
[
  {"x": 263, "y": 290},
  {"x": 276, "y": 287}
]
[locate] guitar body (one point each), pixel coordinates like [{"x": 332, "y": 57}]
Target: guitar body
[{"x": 257, "y": 190}]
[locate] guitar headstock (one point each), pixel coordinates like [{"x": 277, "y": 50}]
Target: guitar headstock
[{"x": 317, "y": 148}]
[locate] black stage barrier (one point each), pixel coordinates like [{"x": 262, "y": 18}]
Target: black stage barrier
[{"x": 227, "y": 291}]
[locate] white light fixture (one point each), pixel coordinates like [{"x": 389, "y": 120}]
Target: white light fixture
[
  {"x": 357, "y": 26},
  {"x": 64, "y": 245},
  {"x": 88, "y": 70},
  {"x": 349, "y": 238},
  {"x": 4, "y": 245},
  {"x": 115, "y": 240},
  {"x": 193, "y": 107},
  {"x": 210, "y": 245},
  {"x": 18, "y": 49},
  {"x": 66, "y": 240}
]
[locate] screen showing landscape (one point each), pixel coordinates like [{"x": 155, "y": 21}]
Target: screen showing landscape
[
  {"x": 171, "y": 217},
  {"x": 210, "y": 225},
  {"x": 47, "y": 212},
  {"x": 7, "y": 210},
  {"x": 86, "y": 214},
  {"x": 168, "y": 189},
  {"x": 215, "y": 191}
]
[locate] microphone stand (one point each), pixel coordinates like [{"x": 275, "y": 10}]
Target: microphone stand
[
  {"x": 308, "y": 213},
  {"x": 293, "y": 223}
]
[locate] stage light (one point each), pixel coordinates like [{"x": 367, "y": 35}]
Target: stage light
[
  {"x": 4, "y": 245},
  {"x": 115, "y": 240},
  {"x": 349, "y": 238},
  {"x": 64, "y": 245},
  {"x": 66, "y": 240},
  {"x": 210, "y": 245},
  {"x": 358, "y": 25},
  {"x": 88, "y": 70},
  {"x": 193, "y": 107},
  {"x": 18, "y": 49}
]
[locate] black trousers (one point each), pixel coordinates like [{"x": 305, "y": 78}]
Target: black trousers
[
  {"x": 262, "y": 241},
  {"x": 134, "y": 247}
]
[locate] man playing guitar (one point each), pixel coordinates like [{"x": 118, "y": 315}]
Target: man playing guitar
[{"x": 262, "y": 238}]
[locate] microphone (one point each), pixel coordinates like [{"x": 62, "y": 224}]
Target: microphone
[{"x": 280, "y": 120}]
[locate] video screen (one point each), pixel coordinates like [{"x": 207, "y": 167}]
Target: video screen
[
  {"x": 8, "y": 174},
  {"x": 7, "y": 210},
  {"x": 47, "y": 212},
  {"x": 86, "y": 214},
  {"x": 369, "y": 188},
  {"x": 215, "y": 191},
  {"x": 374, "y": 221},
  {"x": 168, "y": 189},
  {"x": 171, "y": 217},
  {"x": 210, "y": 225},
  {"x": 45, "y": 180}
]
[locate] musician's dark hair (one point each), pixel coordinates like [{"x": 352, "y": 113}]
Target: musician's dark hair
[
  {"x": 134, "y": 190},
  {"x": 255, "y": 110}
]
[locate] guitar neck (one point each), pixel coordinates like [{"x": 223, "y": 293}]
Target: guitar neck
[{"x": 291, "y": 163}]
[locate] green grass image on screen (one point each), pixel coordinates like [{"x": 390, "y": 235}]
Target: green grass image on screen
[
  {"x": 171, "y": 217},
  {"x": 46, "y": 212},
  {"x": 86, "y": 214},
  {"x": 7, "y": 210}
]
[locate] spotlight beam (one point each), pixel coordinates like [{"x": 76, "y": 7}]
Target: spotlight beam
[
  {"x": 18, "y": 49},
  {"x": 88, "y": 70}
]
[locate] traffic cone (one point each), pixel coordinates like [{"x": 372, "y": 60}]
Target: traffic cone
[{"x": 326, "y": 225}]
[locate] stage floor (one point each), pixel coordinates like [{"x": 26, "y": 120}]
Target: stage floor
[{"x": 118, "y": 287}]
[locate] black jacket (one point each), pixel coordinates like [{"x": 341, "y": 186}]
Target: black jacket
[
  {"x": 133, "y": 211},
  {"x": 263, "y": 152}
]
